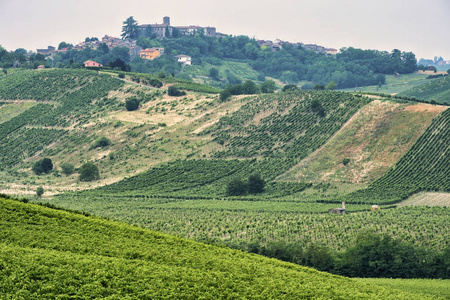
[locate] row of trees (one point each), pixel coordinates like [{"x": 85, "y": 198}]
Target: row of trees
[
  {"x": 88, "y": 171},
  {"x": 373, "y": 255}
]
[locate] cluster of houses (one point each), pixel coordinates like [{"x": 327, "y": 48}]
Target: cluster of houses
[
  {"x": 163, "y": 30},
  {"x": 278, "y": 44}
]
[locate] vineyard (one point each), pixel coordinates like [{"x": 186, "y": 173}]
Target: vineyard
[
  {"x": 425, "y": 167},
  {"x": 115, "y": 260},
  {"x": 434, "y": 89}
]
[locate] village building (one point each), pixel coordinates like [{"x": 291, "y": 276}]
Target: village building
[
  {"x": 165, "y": 29},
  {"x": 184, "y": 59},
  {"x": 338, "y": 210},
  {"x": 149, "y": 54},
  {"x": 91, "y": 63},
  {"x": 47, "y": 51}
]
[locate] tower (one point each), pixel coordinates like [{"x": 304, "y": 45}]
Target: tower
[{"x": 166, "y": 21}]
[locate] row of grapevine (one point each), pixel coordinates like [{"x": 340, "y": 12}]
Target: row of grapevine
[
  {"x": 48, "y": 254},
  {"x": 425, "y": 167}
]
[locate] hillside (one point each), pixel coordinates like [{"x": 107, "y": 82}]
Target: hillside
[
  {"x": 434, "y": 89},
  {"x": 109, "y": 260}
]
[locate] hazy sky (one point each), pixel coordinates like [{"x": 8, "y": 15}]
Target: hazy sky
[{"x": 420, "y": 26}]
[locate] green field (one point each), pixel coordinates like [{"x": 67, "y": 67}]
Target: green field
[
  {"x": 428, "y": 287},
  {"x": 56, "y": 254},
  {"x": 169, "y": 167},
  {"x": 394, "y": 85},
  {"x": 437, "y": 90}
]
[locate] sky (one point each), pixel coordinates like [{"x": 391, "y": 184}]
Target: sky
[{"x": 419, "y": 26}]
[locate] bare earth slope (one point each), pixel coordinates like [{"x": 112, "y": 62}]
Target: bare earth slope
[{"x": 374, "y": 140}]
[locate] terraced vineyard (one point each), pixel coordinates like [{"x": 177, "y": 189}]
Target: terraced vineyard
[{"x": 114, "y": 260}]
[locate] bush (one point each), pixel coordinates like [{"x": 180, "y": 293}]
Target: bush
[
  {"x": 89, "y": 172},
  {"x": 44, "y": 165},
  {"x": 345, "y": 161},
  {"x": 40, "y": 191},
  {"x": 67, "y": 168},
  {"x": 101, "y": 142},
  {"x": 255, "y": 184},
  {"x": 236, "y": 187},
  {"x": 175, "y": 92},
  {"x": 290, "y": 87},
  {"x": 121, "y": 75},
  {"x": 317, "y": 107},
  {"x": 132, "y": 104}
]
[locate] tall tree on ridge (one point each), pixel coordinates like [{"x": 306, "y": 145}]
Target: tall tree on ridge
[{"x": 130, "y": 29}]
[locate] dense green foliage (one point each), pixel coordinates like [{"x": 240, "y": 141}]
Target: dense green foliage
[
  {"x": 89, "y": 172},
  {"x": 44, "y": 165},
  {"x": 425, "y": 167},
  {"x": 56, "y": 254},
  {"x": 436, "y": 89}
]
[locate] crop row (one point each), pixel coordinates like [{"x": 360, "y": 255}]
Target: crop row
[{"x": 425, "y": 167}]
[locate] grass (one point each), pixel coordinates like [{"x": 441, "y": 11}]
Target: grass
[
  {"x": 429, "y": 287},
  {"x": 374, "y": 140},
  {"x": 434, "y": 89},
  {"x": 9, "y": 110}
]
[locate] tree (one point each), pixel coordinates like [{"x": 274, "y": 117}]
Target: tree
[
  {"x": 119, "y": 64},
  {"x": 67, "y": 168},
  {"x": 214, "y": 74},
  {"x": 89, "y": 172},
  {"x": 175, "y": 92},
  {"x": 44, "y": 165},
  {"x": 40, "y": 191},
  {"x": 319, "y": 87},
  {"x": 167, "y": 32},
  {"x": 130, "y": 29},
  {"x": 289, "y": 77},
  {"x": 132, "y": 104},
  {"x": 249, "y": 88},
  {"x": 331, "y": 85},
  {"x": 255, "y": 184},
  {"x": 236, "y": 187},
  {"x": 317, "y": 107},
  {"x": 290, "y": 88},
  {"x": 268, "y": 86},
  {"x": 224, "y": 95}
]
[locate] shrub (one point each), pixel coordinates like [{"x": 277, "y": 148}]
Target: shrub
[
  {"x": 132, "y": 104},
  {"x": 101, "y": 142},
  {"x": 67, "y": 168},
  {"x": 236, "y": 187},
  {"x": 40, "y": 191},
  {"x": 345, "y": 161},
  {"x": 255, "y": 184},
  {"x": 175, "y": 92},
  {"x": 89, "y": 172},
  {"x": 121, "y": 75}
]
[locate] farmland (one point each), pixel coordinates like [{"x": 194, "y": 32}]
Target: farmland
[
  {"x": 170, "y": 163},
  {"x": 112, "y": 259}
]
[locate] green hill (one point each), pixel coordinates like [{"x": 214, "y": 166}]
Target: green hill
[
  {"x": 435, "y": 89},
  {"x": 57, "y": 254}
]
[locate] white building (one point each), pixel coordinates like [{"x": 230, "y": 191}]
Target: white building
[{"x": 184, "y": 59}]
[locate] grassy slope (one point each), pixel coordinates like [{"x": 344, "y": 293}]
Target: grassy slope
[
  {"x": 434, "y": 89},
  {"x": 48, "y": 254},
  {"x": 374, "y": 140},
  {"x": 395, "y": 85}
]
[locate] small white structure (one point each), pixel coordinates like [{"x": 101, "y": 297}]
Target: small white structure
[
  {"x": 184, "y": 59},
  {"x": 375, "y": 207}
]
